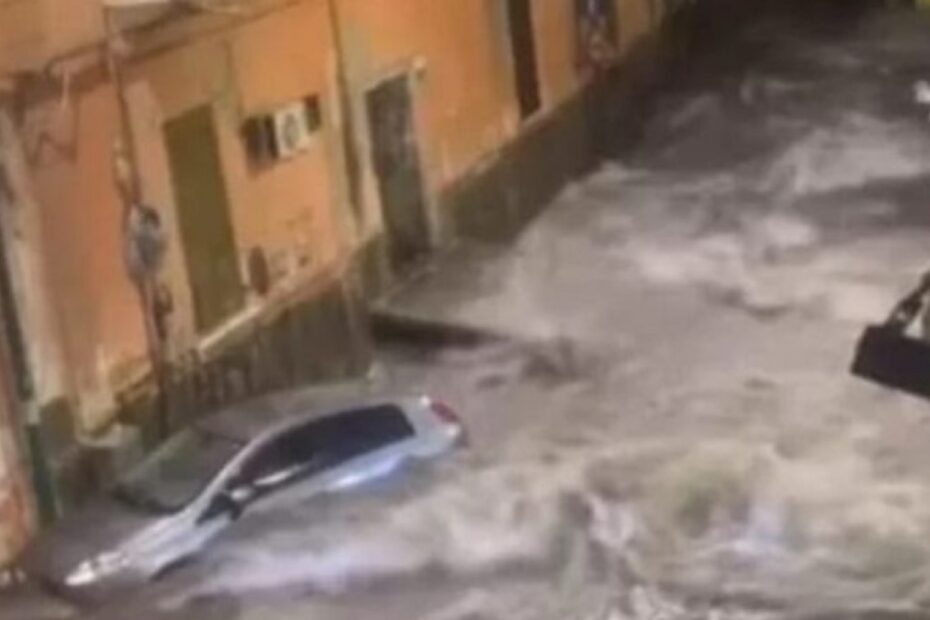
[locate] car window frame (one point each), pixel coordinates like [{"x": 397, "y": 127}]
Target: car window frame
[
  {"x": 409, "y": 431},
  {"x": 200, "y": 507},
  {"x": 235, "y": 478},
  {"x": 236, "y": 470}
]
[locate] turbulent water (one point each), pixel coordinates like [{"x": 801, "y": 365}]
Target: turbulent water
[{"x": 671, "y": 433}]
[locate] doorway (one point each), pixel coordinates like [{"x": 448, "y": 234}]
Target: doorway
[
  {"x": 396, "y": 159},
  {"x": 203, "y": 218},
  {"x": 523, "y": 49}
]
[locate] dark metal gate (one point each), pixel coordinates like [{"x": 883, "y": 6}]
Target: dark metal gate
[{"x": 203, "y": 216}]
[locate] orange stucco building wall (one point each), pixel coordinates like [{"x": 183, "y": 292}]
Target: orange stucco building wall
[
  {"x": 69, "y": 153},
  {"x": 457, "y": 52},
  {"x": 555, "y": 27},
  {"x": 288, "y": 209},
  {"x": 636, "y": 19},
  {"x": 462, "y": 92},
  {"x": 21, "y": 36}
]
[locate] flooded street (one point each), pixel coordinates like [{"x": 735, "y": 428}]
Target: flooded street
[{"x": 665, "y": 426}]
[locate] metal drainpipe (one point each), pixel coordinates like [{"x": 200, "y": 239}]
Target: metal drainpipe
[
  {"x": 132, "y": 196},
  {"x": 352, "y": 161},
  {"x": 119, "y": 85}
]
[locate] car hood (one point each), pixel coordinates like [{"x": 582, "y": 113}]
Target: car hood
[{"x": 99, "y": 527}]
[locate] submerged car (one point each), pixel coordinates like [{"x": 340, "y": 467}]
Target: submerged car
[{"x": 164, "y": 511}]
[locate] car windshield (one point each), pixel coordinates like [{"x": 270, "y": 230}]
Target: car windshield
[{"x": 173, "y": 476}]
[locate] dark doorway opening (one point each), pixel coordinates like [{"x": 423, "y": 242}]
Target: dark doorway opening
[
  {"x": 523, "y": 48},
  {"x": 203, "y": 217},
  {"x": 396, "y": 160}
]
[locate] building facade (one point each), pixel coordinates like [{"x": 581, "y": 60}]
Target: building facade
[{"x": 204, "y": 194}]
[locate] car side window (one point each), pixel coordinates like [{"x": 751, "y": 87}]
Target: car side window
[
  {"x": 324, "y": 443},
  {"x": 354, "y": 433},
  {"x": 275, "y": 462}
]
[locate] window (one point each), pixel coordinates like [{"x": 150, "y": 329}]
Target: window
[
  {"x": 258, "y": 134},
  {"x": 325, "y": 443},
  {"x": 279, "y": 134},
  {"x": 280, "y": 460},
  {"x": 354, "y": 433}
]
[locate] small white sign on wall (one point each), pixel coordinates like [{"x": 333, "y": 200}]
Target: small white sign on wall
[{"x": 292, "y": 133}]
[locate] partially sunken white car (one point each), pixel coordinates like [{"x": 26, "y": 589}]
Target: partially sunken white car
[{"x": 164, "y": 511}]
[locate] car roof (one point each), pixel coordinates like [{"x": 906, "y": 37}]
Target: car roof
[{"x": 275, "y": 412}]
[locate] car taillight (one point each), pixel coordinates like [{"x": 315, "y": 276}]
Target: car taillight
[{"x": 448, "y": 416}]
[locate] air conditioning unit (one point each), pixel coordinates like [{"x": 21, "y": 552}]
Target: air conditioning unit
[{"x": 291, "y": 131}]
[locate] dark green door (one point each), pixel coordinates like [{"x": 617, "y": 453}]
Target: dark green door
[
  {"x": 396, "y": 161},
  {"x": 203, "y": 217}
]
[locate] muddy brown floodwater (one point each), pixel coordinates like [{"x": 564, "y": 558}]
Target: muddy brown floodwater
[{"x": 669, "y": 430}]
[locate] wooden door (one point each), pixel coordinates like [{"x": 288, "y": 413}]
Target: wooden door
[{"x": 203, "y": 218}]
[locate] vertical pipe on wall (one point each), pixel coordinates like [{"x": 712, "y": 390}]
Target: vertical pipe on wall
[
  {"x": 127, "y": 178},
  {"x": 127, "y": 174},
  {"x": 350, "y": 148}
]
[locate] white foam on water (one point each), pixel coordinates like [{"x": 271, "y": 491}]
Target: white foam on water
[
  {"x": 503, "y": 515},
  {"x": 858, "y": 150},
  {"x": 707, "y": 514},
  {"x": 713, "y": 509}
]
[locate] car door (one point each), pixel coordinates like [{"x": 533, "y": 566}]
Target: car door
[{"x": 286, "y": 460}]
